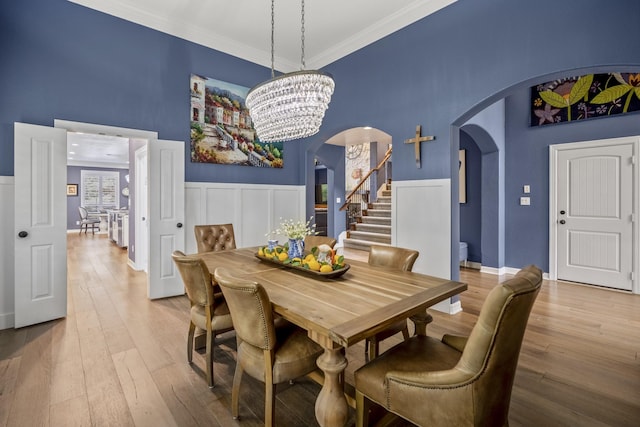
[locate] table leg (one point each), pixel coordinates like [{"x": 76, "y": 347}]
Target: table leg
[{"x": 331, "y": 404}]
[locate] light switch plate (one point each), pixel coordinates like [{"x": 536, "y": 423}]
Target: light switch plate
[
  {"x": 526, "y": 189},
  {"x": 337, "y": 199},
  {"x": 525, "y": 201}
]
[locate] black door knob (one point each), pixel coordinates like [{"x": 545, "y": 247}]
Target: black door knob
[
  {"x": 23, "y": 234},
  {"x": 562, "y": 212},
  {"x": 179, "y": 225},
  {"x": 562, "y": 221}
]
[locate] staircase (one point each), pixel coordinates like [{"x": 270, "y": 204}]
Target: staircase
[{"x": 373, "y": 227}]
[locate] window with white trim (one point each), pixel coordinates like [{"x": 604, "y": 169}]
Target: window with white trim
[{"x": 100, "y": 189}]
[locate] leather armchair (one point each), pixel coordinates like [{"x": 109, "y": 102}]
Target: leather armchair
[
  {"x": 393, "y": 258},
  {"x": 458, "y": 381},
  {"x": 215, "y": 237},
  {"x": 208, "y": 312},
  {"x": 269, "y": 354}
]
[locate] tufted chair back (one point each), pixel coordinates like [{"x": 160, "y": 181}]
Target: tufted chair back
[
  {"x": 215, "y": 237},
  {"x": 392, "y": 257}
]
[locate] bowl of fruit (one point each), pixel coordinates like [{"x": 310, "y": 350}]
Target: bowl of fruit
[{"x": 317, "y": 262}]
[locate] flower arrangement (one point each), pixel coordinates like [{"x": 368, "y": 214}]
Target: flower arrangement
[{"x": 295, "y": 230}]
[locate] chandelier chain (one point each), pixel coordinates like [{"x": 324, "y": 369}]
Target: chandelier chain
[
  {"x": 302, "y": 37},
  {"x": 273, "y": 25}
]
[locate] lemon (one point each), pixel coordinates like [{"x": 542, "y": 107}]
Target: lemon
[
  {"x": 283, "y": 256},
  {"x": 314, "y": 265},
  {"x": 260, "y": 252},
  {"x": 326, "y": 268},
  {"x": 309, "y": 257}
]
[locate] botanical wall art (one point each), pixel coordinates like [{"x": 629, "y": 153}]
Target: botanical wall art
[
  {"x": 585, "y": 97},
  {"x": 221, "y": 128}
]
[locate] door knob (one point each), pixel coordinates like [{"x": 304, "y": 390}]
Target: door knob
[
  {"x": 179, "y": 225},
  {"x": 562, "y": 221},
  {"x": 562, "y": 212},
  {"x": 144, "y": 219},
  {"x": 23, "y": 234}
]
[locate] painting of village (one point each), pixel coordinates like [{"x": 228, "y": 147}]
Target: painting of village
[{"x": 221, "y": 128}]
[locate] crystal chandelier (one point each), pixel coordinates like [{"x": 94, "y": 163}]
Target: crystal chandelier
[{"x": 290, "y": 106}]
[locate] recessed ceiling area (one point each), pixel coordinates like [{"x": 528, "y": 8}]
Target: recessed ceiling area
[
  {"x": 85, "y": 149},
  {"x": 360, "y": 135},
  {"x": 242, "y": 28}
]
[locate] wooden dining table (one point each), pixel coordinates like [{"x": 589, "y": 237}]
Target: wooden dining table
[{"x": 337, "y": 312}]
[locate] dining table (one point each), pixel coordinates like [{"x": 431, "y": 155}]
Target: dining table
[{"x": 337, "y": 312}]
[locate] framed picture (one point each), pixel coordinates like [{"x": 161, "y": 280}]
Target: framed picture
[{"x": 72, "y": 189}]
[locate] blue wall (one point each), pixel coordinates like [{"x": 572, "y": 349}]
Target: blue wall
[
  {"x": 61, "y": 60},
  {"x": 64, "y": 61},
  {"x": 443, "y": 69}
]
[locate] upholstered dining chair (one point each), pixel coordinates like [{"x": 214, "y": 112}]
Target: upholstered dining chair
[
  {"x": 86, "y": 222},
  {"x": 269, "y": 354},
  {"x": 390, "y": 257},
  {"x": 315, "y": 241},
  {"x": 209, "y": 310},
  {"x": 456, "y": 381},
  {"x": 215, "y": 237}
]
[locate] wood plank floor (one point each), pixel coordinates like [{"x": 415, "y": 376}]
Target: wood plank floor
[{"x": 119, "y": 359}]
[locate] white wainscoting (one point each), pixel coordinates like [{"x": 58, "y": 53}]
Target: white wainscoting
[
  {"x": 421, "y": 220},
  {"x": 6, "y": 252},
  {"x": 253, "y": 209}
]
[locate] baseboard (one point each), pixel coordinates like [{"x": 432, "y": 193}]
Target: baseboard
[
  {"x": 447, "y": 306},
  {"x": 133, "y": 265},
  {"x": 7, "y": 321},
  {"x": 492, "y": 270},
  {"x": 506, "y": 270},
  {"x": 471, "y": 264}
]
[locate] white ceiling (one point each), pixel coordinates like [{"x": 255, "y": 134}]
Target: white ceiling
[
  {"x": 242, "y": 28},
  {"x": 85, "y": 149}
]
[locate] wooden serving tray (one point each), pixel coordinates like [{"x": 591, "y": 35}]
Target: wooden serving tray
[{"x": 328, "y": 275}]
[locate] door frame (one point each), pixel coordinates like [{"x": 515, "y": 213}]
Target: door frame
[{"x": 553, "y": 190}]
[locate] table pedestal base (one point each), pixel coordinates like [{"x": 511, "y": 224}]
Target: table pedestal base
[{"x": 331, "y": 404}]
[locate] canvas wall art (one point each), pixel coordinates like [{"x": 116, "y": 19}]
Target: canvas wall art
[
  {"x": 584, "y": 97},
  {"x": 221, "y": 128}
]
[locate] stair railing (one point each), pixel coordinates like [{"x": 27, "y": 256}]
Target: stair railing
[{"x": 358, "y": 199}]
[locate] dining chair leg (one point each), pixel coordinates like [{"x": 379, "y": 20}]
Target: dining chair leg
[
  {"x": 235, "y": 391},
  {"x": 209, "y": 352},
  {"x": 192, "y": 329},
  {"x": 269, "y": 405},
  {"x": 362, "y": 410}
]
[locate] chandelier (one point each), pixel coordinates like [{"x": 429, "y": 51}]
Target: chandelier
[{"x": 290, "y": 106}]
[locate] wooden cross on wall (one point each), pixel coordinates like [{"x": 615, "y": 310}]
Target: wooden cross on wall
[{"x": 417, "y": 140}]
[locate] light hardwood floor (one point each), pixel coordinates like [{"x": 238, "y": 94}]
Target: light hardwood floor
[{"x": 119, "y": 359}]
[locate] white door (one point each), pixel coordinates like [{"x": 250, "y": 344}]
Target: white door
[
  {"x": 594, "y": 215},
  {"x": 142, "y": 198},
  {"x": 165, "y": 216},
  {"x": 40, "y": 224}
]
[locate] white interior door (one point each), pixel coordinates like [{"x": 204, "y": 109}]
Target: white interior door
[
  {"x": 165, "y": 216},
  {"x": 142, "y": 198},
  {"x": 594, "y": 215},
  {"x": 40, "y": 224}
]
